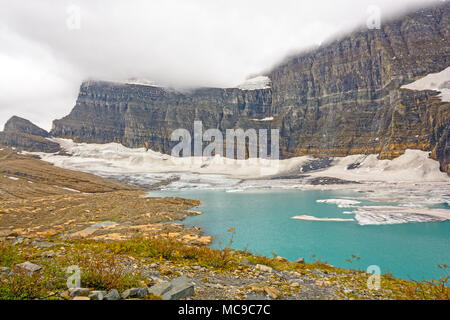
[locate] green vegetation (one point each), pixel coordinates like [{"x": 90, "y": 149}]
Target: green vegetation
[{"x": 106, "y": 265}]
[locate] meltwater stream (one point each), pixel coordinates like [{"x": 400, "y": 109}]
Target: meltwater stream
[{"x": 264, "y": 225}]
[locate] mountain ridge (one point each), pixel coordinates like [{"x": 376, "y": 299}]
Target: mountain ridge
[{"x": 340, "y": 99}]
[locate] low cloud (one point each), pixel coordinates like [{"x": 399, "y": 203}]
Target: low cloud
[{"x": 47, "y": 49}]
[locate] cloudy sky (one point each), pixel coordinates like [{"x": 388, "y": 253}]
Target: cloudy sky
[{"x": 48, "y": 47}]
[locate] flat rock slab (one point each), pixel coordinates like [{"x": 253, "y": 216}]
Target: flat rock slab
[
  {"x": 176, "y": 289},
  {"x": 29, "y": 267},
  {"x": 135, "y": 293},
  {"x": 101, "y": 225},
  {"x": 78, "y": 292},
  {"x": 160, "y": 288},
  {"x": 181, "y": 288},
  {"x": 45, "y": 244}
]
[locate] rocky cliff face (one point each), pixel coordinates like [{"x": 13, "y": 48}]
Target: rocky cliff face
[
  {"x": 343, "y": 98},
  {"x": 23, "y": 134},
  {"x": 17, "y": 124},
  {"x": 137, "y": 116}
]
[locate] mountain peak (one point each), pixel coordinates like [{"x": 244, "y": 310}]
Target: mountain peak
[{"x": 17, "y": 124}]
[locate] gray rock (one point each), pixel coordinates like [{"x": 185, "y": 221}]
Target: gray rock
[
  {"x": 45, "y": 244},
  {"x": 97, "y": 295},
  {"x": 78, "y": 292},
  {"x": 154, "y": 280},
  {"x": 4, "y": 271},
  {"x": 29, "y": 267},
  {"x": 112, "y": 295},
  {"x": 300, "y": 260},
  {"x": 263, "y": 268},
  {"x": 160, "y": 288},
  {"x": 19, "y": 240},
  {"x": 135, "y": 293},
  {"x": 101, "y": 225},
  {"x": 181, "y": 288},
  {"x": 48, "y": 254}
]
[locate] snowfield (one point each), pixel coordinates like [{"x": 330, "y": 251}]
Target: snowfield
[
  {"x": 435, "y": 81},
  {"x": 257, "y": 83}
]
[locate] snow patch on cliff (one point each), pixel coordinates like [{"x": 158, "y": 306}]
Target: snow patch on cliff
[
  {"x": 263, "y": 120},
  {"x": 256, "y": 83},
  {"x": 142, "y": 82},
  {"x": 434, "y": 81}
]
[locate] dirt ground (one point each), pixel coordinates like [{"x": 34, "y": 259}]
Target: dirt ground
[{"x": 38, "y": 199}]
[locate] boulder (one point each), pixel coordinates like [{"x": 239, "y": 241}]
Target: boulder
[
  {"x": 28, "y": 267},
  {"x": 4, "y": 271},
  {"x": 160, "y": 288},
  {"x": 97, "y": 295},
  {"x": 112, "y": 295},
  {"x": 135, "y": 293},
  {"x": 263, "y": 268},
  {"x": 78, "y": 292},
  {"x": 281, "y": 259},
  {"x": 301, "y": 260},
  {"x": 181, "y": 288}
]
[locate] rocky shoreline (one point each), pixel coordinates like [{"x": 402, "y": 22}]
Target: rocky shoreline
[{"x": 143, "y": 269}]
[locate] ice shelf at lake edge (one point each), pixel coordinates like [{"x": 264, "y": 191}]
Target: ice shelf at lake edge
[{"x": 412, "y": 181}]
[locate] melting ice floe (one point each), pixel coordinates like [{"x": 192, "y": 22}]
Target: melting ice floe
[
  {"x": 379, "y": 215},
  {"x": 311, "y": 218},
  {"x": 435, "y": 81},
  {"x": 341, "y": 203}
]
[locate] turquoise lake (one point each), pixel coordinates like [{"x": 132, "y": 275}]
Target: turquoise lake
[{"x": 264, "y": 225}]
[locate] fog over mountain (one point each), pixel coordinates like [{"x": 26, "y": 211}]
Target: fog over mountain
[{"x": 47, "y": 47}]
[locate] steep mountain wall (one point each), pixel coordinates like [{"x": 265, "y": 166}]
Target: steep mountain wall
[{"x": 343, "y": 98}]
